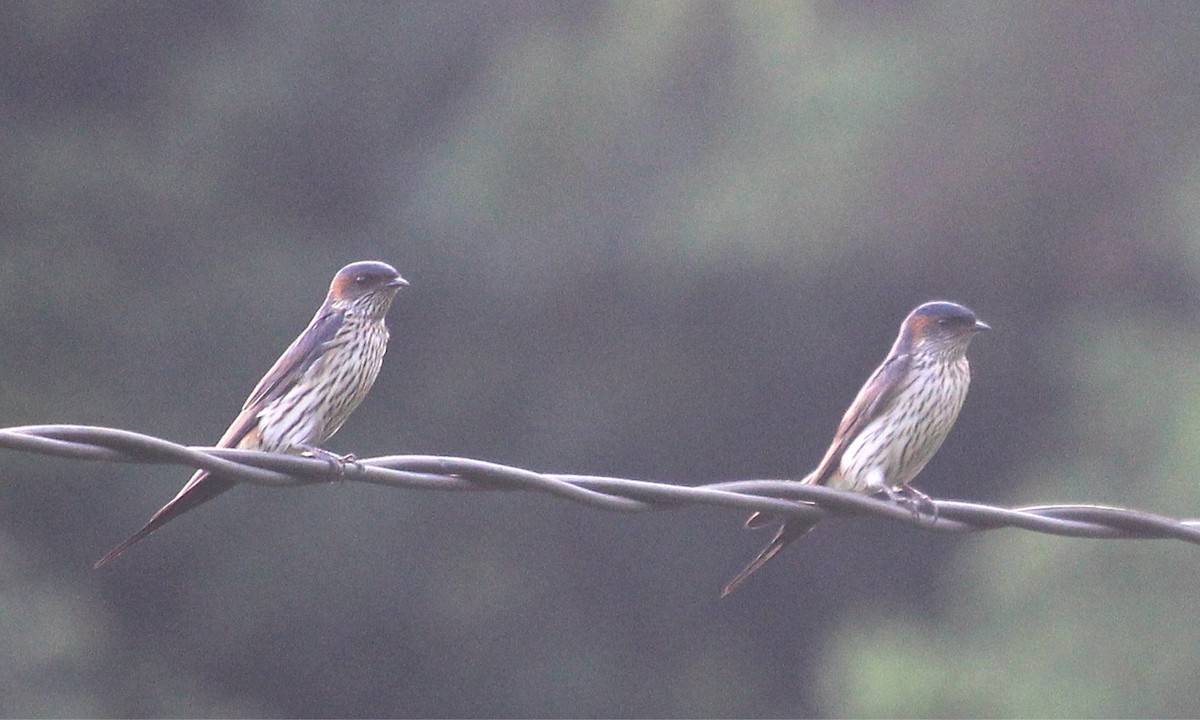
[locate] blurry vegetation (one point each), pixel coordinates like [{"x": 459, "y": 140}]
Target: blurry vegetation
[
  {"x": 661, "y": 240},
  {"x": 1038, "y": 627}
]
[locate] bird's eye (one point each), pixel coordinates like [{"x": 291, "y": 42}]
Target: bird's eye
[{"x": 360, "y": 279}]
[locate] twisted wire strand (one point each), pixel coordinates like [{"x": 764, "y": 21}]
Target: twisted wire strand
[{"x": 429, "y": 472}]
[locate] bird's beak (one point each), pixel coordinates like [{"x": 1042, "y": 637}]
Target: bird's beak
[
  {"x": 397, "y": 282},
  {"x": 981, "y": 326}
]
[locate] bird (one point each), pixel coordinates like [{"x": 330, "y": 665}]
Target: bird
[
  {"x": 897, "y": 421},
  {"x": 310, "y": 390}
]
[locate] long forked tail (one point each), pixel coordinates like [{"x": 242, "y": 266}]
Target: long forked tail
[
  {"x": 200, "y": 489},
  {"x": 116, "y": 552},
  {"x": 787, "y": 532}
]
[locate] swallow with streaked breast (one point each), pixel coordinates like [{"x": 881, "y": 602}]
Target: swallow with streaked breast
[
  {"x": 310, "y": 390},
  {"x": 896, "y": 423}
]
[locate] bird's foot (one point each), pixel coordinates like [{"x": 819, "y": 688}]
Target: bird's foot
[
  {"x": 337, "y": 462},
  {"x": 915, "y": 500}
]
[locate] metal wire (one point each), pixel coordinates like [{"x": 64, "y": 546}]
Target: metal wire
[{"x": 427, "y": 472}]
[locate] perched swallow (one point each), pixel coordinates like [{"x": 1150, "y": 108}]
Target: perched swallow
[
  {"x": 310, "y": 390},
  {"x": 896, "y": 423}
]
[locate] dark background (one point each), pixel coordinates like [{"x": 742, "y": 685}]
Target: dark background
[{"x": 654, "y": 240}]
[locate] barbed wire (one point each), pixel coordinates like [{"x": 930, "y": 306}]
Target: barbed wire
[{"x": 429, "y": 472}]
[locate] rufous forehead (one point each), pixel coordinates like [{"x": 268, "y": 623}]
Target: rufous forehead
[
  {"x": 922, "y": 325},
  {"x": 938, "y": 321},
  {"x": 922, "y": 322},
  {"x": 371, "y": 267},
  {"x": 342, "y": 282},
  {"x": 375, "y": 274}
]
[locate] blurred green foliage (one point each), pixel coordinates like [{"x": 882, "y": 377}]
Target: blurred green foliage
[
  {"x": 664, "y": 240},
  {"x": 1037, "y": 627}
]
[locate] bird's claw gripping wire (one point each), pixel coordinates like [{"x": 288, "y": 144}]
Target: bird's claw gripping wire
[
  {"x": 337, "y": 462},
  {"x": 915, "y": 500}
]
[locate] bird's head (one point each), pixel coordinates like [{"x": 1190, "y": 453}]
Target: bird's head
[
  {"x": 367, "y": 285},
  {"x": 941, "y": 327}
]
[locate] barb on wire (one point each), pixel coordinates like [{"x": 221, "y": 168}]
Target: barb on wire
[{"x": 427, "y": 472}]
